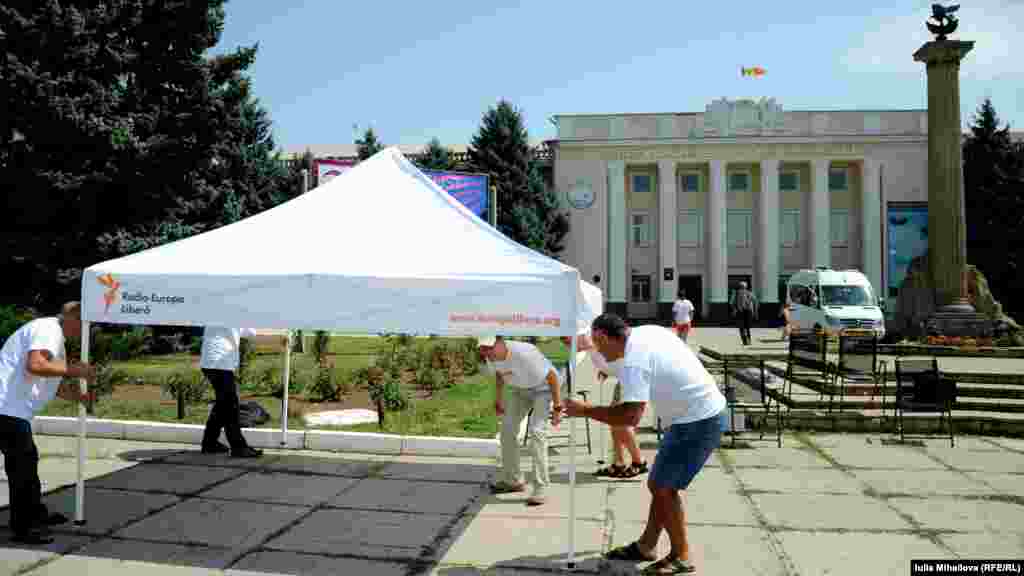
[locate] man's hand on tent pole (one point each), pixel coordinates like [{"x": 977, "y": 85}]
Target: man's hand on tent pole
[{"x": 69, "y": 391}]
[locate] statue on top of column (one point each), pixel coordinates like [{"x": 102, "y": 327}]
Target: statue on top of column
[{"x": 947, "y": 23}]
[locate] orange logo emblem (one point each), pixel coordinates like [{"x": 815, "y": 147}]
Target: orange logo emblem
[{"x": 110, "y": 295}]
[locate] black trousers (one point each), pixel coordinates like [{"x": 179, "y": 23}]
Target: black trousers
[
  {"x": 21, "y": 459},
  {"x": 745, "y": 318},
  {"x": 224, "y": 415}
]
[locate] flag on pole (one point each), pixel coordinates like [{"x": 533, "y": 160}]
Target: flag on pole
[{"x": 755, "y": 71}]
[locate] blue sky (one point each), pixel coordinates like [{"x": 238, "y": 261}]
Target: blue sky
[{"x": 415, "y": 70}]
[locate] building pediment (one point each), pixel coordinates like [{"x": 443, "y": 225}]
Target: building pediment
[{"x": 743, "y": 116}]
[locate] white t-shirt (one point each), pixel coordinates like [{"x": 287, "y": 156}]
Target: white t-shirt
[
  {"x": 21, "y": 393},
  {"x": 683, "y": 311},
  {"x": 220, "y": 347},
  {"x": 658, "y": 367},
  {"x": 526, "y": 367}
]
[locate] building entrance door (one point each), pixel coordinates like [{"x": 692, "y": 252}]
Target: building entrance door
[{"x": 694, "y": 293}]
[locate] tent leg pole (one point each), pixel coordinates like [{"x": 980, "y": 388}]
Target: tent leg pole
[
  {"x": 83, "y": 387},
  {"x": 571, "y": 560},
  {"x": 284, "y": 393}
]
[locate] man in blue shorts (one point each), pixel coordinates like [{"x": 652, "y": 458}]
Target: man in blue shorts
[{"x": 653, "y": 364}]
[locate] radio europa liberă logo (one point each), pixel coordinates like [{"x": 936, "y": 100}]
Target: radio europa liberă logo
[{"x": 132, "y": 302}]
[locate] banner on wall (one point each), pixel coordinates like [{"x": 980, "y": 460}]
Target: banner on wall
[
  {"x": 327, "y": 168},
  {"x": 469, "y": 189},
  {"x": 907, "y": 235}
]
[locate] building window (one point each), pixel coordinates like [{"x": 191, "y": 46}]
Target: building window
[
  {"x": 790, "y": 228},
  {"x": 840, "y": 227},
  {"x": 641, "y": 229},
  {"x": 789, "y": 181},
  {"x": 837, "y": 180},
  {"x": 739, "y": 181},
  {"x": 690, "y": 228},
  {"x": 690, "y": 182},
  {"x": 738, "y": 227},
  {"x": 641, "y": 288},
  {"x": 641, "y": 183}
]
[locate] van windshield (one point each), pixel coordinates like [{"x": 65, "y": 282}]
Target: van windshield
[{"x": 846, "y": 295}]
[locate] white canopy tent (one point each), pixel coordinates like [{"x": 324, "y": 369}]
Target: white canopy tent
[{"x": 381, "y": 249}]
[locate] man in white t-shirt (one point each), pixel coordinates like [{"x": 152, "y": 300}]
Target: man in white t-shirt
[
  {"x": 526, "y": 380},
  {"x": 219, "y": 360},
  {"x": 32, "y": 365},
  {"x": 654, "y": 365},
  {"x": 682, "y": 315}
]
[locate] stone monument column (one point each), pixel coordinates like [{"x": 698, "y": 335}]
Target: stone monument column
[{"x": 946, "y": 228}]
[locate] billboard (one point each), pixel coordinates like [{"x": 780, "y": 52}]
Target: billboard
[
  {"x": 907, "y": 235},
  {"x": 327, "y": 168},
  {"x": 469, "y": 189}
]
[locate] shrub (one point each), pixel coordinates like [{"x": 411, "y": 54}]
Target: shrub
[
  {"x": 321, "y": 340},
  {"x": 186, "y": 382},
  {"x": 12, "y": 318},
  {"x": 246, "y": 354},
  {"x": 324, "y": 386}
]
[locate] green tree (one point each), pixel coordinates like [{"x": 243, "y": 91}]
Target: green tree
[
  {"x": 368, "y": 145},
  {"x": 527, "y": 212},
  {"x": 435, "y": 157},
  {"x": 993, "y": 180}
]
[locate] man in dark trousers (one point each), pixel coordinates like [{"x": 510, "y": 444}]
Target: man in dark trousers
[
  {"x": 32, "y": 367},
  {"x": 744, "y": 308}
]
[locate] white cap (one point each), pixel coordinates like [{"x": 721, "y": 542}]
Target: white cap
[{"x": 486, "y": 341}]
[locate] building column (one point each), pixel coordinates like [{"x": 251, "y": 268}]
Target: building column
[
  {"x": 769, "y": 216},
  {"x": 718, "y": 244},
  {"x": 870, "y": 227},
  {"x": 821, "y": 217},
  {"x": 667, "y": 241},
  {"x": 617, "y": 237}
]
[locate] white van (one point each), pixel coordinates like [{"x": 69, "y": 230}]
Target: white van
[{"x": 834, "y": 300}]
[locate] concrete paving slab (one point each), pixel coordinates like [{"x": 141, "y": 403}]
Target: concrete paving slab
[
  {"x": 195, "y": 457},
  {"x": 61, "y": 472},
  {"x": 104, "y": 510},
  {"x": 922, "y": 482},
  {"x": 733, "y": 550},
  {"x": 280, "y": 488},
  {"x": 772, "y": 457},
  {"x": 440, "y": 471},
  {"x": 408, "y": 496},
  {"x": 1008, "y": 484},
  {"x": 529, "y": 543},
  {"x": 260, "y": 563},
  {"x": 810, "y": 480},
  {"x": 855, "y": 554},
  {"x": 309, "y": 463},
  {"x": 75, "y": 564},
  {"x": 731, "y": 509},
  {"x": 987, "y": 461},
  {"x": 159, "y": 553},
  {"x": 986, "y": 545},
  {"x": 446, "y": 570},
  {"x": 214, "y": 523},
  {"x": 880, "y": 457},
  {"x": 1015, "y": 444},
  {"x": 171, "y": 478},
  {"x": 591, "y": 501},
  {"x": 816, "y": 511},
  {"x": 382, "y": 535},
  {"x": 963, "y": 515},
  {"x": 105, "y": 448},
  {"x": 15, "y": 560}
]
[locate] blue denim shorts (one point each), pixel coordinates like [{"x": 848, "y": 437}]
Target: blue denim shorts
[{"x": 684, "y": 450}]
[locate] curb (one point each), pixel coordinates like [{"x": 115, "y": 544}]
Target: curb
[{"x": 362, "y": 442}]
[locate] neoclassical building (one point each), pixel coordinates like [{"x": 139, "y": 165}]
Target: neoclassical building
[{"x": 741, "y": 191}]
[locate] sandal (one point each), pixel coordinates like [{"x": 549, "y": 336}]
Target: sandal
[
  {"x": 630, "y": 553},
  {"x": 632, "y": 471},
  {"x": 670, "y": 565},
  {"x": 612, "y": 470}
]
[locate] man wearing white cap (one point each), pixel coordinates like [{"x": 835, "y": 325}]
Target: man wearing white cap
[{"x": 532, "y": 384}]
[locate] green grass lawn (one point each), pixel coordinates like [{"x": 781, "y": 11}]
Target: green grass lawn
[{"x": 466, "y": 409}]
